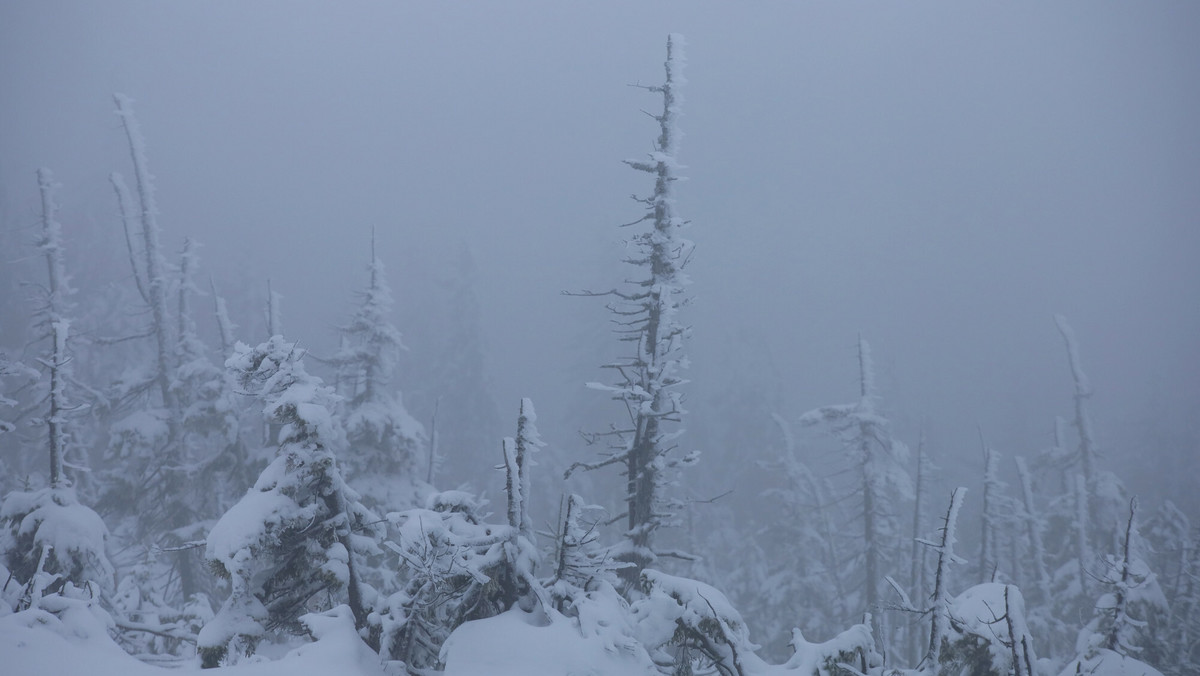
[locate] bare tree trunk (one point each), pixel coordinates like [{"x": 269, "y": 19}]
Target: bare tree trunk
[
  {"x": 155, "y": 281},
  {"x": 1082, "y": 551},
  {"x": 1083, "y": 420}
]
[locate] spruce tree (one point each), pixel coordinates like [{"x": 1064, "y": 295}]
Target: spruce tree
[
  {"x": 386, "y": 444},
  {"x": 294, "y": 540}
]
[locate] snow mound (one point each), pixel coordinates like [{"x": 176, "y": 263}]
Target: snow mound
[
  {"x": 1109, "y": 663},
  {"x": 76, "y": 643},
  {"x": 514, "y": 644}
]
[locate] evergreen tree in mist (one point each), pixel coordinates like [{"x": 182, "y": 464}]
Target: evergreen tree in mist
[
  {"x": 387, "y": 446},
  {"x": 450, "y": 387}
]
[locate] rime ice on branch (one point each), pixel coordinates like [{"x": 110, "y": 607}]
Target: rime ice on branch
[{"x": 645, "y": 312}]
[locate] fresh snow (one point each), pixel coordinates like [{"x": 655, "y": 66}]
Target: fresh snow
[{"x": 39, "y": 643}]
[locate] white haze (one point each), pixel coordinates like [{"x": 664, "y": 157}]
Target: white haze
[{"x": 941, "y": 178}]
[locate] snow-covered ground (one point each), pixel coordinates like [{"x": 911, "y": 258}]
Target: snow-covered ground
[
  {"x": 37, "y": 642},
  {"x": 76, "y": 643}
]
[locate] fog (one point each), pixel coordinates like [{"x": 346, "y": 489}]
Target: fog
[{"x": 939, "y": 179}]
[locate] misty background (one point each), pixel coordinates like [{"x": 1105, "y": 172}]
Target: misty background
[{"x": 938, "y": 178}]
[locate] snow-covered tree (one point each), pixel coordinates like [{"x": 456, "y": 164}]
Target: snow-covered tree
[
  {"x": 518, "y": 462},
  {"x": 225, "y": 326},
  {"x": 806, "y": 555},
  {"x": 686, "y": 624},
  {"x": 520, "y": 550},
  {"x": 47, "y": 538},
  {"x": 581, "y": 565},
  {"x": 1131, "y": 602},
  {"x": 444, "y": 551},
  {"x": 386, "y": 444},
  {"x": 1115, "y": 641},
  {"x": 456, "y": 568},
  {"x": 878, "y": 464},
  {"x": 293, "y": 540},
  {"x": 1174, "y": 550},
  {"x": 989, "y": 635},
  {"x": 646, "y": 313},
  {"x": 210, "y": 425}
]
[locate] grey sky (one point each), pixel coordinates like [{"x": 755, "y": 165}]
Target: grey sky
[{"x": 940, "y": 177}]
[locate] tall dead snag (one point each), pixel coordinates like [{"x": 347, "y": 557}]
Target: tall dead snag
[
  {"x": 151, "y": 447},
  {"x": 1103, "y": 511},
  {"x": 152, "y": 279},
  {"x": 645, "y": 312}
]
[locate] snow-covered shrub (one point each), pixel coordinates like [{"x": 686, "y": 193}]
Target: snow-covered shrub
[
  {"x": 853, "y": 648},
  {"x": 988, "y": 633},
  {"x": 580, "y": 564},
  {"x": 682, "y": 621},
  {"x": 455, "y": 569},
  {"x": 73, "y": 612},
  {"x": 49, "y": 539},
  {"x": 1119, "y": 631}
]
